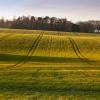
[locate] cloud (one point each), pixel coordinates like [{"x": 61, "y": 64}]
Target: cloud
[{"x": 73, "y": 9}]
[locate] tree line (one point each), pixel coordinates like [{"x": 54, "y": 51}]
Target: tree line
[{"x": 50, "y": 23}]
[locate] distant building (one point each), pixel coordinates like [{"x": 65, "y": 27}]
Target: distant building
[
  {"x": 97, "y": 30},
  {"x": 96, "y": 25}
]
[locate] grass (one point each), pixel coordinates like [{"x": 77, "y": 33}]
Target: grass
[{"x": 42, "y": 65}]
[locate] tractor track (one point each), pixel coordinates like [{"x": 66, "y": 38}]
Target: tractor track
[
  {"x": 78, "y": 53},
  {"x": 31, "y": 51}
]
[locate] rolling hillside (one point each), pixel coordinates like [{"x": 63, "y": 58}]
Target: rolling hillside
[{"x": 37, "y": 65}]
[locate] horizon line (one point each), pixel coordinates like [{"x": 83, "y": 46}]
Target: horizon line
[{"x": 15, "y": 17}]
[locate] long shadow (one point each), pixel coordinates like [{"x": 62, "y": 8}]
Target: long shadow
[
  {"x": 17, "y": 58},
  {"x": 46, "y": 87}
]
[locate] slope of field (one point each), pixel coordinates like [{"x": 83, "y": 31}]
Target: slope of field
[{"x": 42, "y": 65}]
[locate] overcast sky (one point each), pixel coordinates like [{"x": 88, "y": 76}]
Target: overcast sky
[{"x": 73, "y": 10}]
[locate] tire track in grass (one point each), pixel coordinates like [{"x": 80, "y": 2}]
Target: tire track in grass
[
  {"x": 78, "y": 53},
  {"x": 29, "y": 54},
  {"x": 79, "y": 50},
  {"x": 34, "y": 46},
  {"x": 32, "y": 49}
]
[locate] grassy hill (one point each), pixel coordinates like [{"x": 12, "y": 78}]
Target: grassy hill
[{"x": 42, "y": 65}]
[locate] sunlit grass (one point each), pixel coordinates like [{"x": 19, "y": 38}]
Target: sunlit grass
[{"x": 42, "y": 65}]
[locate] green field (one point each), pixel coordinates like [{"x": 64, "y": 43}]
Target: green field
[{"x": 42, "y": 65}]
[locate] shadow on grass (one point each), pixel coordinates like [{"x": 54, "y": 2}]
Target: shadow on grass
[
  {"x": 38, "y": 86},
  {"x": 44, "y": 92},
  {"x": 10, "y": 58}
]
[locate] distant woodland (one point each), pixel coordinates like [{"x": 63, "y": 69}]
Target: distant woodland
[{"x": 51, "y": 24}]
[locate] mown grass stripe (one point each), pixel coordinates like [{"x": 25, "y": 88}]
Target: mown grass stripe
[{"x": 5, "y": 37}]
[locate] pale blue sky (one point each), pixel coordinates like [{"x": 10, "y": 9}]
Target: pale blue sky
[{"x": 74, "y": 10}]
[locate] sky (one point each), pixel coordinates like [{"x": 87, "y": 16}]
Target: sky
[{"x": 73, "y": 10}]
